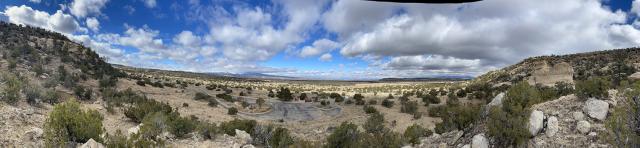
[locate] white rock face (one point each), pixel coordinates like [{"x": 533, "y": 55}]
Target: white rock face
[
  {"x": 92, "y": 144},
  {"x": 536, "y": 122},
  {"x": 466, "y": 146},
  {"x": 552, "y": 126},
  {"x": 578, "y": 116},
  {"x": 497, "y": 101},
  {"x": 479, "y": 141},
  {"x": 597, "y": 109},
  {"x": 583, "y": 127}
]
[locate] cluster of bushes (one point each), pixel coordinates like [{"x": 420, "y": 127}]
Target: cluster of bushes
[
  {"x": 410, "y": 107},
  {"x": 454, "y": 116},
  {"x": 206, "y": 97},
  {"x": 430, "y": 99},
  {"x": 375, "y": 134},
  {"x": 359, "y": 99},
  {"x": 337, "y": 97},
  {"x": 284, "y": 94},
  {"x": 225, "y": 97}
]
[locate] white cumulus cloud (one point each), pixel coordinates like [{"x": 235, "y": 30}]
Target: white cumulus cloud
[
  {"x": 93, "y": 24},
  {"x": 83, "y": 8},
  {"x": 59, "y": 21}
]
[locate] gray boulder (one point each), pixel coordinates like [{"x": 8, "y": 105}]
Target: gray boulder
[
  {"x": 583, "y": 127},
  {"x": 597, "y": 109},
  {"x": 536, "y": 122},
  {"x": 479, "y": 141},
  {"x": 578, "y": 116},
  {"x": 92, "y": 144},
  {"x": 497, "y": 101},
  {"x": 552, "y": 126}
]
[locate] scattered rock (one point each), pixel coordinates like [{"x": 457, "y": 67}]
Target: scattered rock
[
  {"x": 134, "y": 130},
  {"x": 479, "y": 141},
  {"x": 597, "y": 109},
  {"x": 583, "y": 127},
  {"x": 442, "y": 145},
  {"x": 248, "y": 146},
  {"x": 635, "y": 76},
  {"x": 578, "y": 116},
  {"x": 33, "y": 134},
  {"x": 466, "y": 146},
  {"x": 536, "y": 122},
  {"x": 593, "y": 134},
  {"x": 407, "y": 146},
  {"x": 552, "y": 126},
  {"x": 92, "y": 144}
]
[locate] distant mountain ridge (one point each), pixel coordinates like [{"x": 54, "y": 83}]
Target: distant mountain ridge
[{"x": 443, "y": 78}]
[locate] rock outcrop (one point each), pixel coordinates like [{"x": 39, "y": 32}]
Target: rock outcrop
[
  {"x": 548, "y": 75},
  {"x": 597, "y": 109}
]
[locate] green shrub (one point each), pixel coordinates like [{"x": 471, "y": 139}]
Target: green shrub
[
  {"x": 414, "y": 132},
  {"x": 260, "y": 102},
  {"x": 386, "y": 139},
  {"x": 33, "y": 93},
  {"x": 437, "y": 111},
  {"x": 303, "y": 96},
  {"x": 345, "y": 135},
  {"x": 359, "y": 99},
  {"x": 213, "y": 103},
  {"x": 181, "y": 126},
  {"x": 564, "y": 88},
  {"x": 623, "y": 124},
  {"x": 106, "y": 82},
  {"x": 225, "y": 97},
  {"x": 410, "y": 107},
  {"x": 456, "y": 117},
  {"x": 154, "y": 124},
  {"x": 430, "y": 99},
  {"x": 375, "y": 123},
  {"x": 284, "y": 94},
  {"x": 68, "y": 123},
  {"x": 387, "y": 103},
  {"x": 12, "y": 86},
  {"x": 208, "y": 130},
  {"x": 349, "y": 101},
  {"x": 594, "y": 87},
  {"x": 511, "y": 129},
  {"x": 372, "y": 102},
  {"x": 281, "y": 138},
  {"x": 144, "y": 107},
  {"x": 369, "y": 109},
  {"x": 140, "y": 83},
  {"x": 513, "y": 115},
  {"x": 51, "y": 97},
  {"x": 230, "y": 127},
  {"x": 202, "y": 96},
  {"x": 232, "y": 111}
]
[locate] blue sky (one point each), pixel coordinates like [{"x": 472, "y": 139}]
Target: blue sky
[{"x": 324, "y": 39}]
